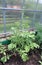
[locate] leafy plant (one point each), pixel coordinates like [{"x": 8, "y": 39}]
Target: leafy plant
[
  {"x": 40, "y": 62},
  {"x": 21, "y": 42},
  {"x": 39, "y": 34},
  {"x": 38, "y": 39},
  {"x": 5, "y": 58},
  {"x": 3, "y": 51}
]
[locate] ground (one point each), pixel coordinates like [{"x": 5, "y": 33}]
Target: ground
[{"x": 34, "y": 59}]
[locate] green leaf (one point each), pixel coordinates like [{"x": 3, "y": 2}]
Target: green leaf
[
  {"x": 40, "y": 62},
  {"x": 11, "y": 46},
  {"x": 8, "y": 57},
  {"x": 31, "y": 46},
  {"x": 27, "y": 48},
  {"x": 24, "y": 57},
  {"x": 36, "y": 45},
  {"x": 4, "y": 59}
]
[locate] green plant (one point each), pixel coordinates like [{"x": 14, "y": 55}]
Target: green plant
[
  {"x": 3, "y": 51},
  {"x": 38, "y": 39},
  {"x": 5, "y": 58},
  {"x": 39, "y": 34},
  {"x": 21, "y": 42},
  {"x": 40, "y": 62}
]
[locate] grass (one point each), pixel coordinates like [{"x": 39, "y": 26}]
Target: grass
[
  {"x": 17, "y": 24},
  {"x": 25, "y": 24},
  {"x": 8, "y": 27}
]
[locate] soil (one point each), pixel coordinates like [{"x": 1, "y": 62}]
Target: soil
[{"x": 33, "y": 60}]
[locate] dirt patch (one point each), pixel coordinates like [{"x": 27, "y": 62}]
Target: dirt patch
[{"x": 34, "y": 58}]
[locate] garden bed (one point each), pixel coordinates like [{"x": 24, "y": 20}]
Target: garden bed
[
  {"x": 4, "y": 35},
  {"x": 24, "y": 48},
  {"x": 33, "y": 60}
]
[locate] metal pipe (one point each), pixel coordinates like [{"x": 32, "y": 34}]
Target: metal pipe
[
  {"x": 33, "y": 22},
  {"x": 22, "y": 14},
  {"x": 4, "y": 17},
  {"x": 20, "y": 9}
]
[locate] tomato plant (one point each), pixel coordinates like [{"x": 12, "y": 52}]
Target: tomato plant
[{"x": 21, "y": 42}]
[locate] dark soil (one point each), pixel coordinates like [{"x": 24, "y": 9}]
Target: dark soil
[{"x": 34, "y": 58}]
